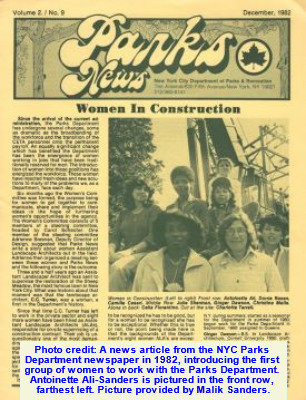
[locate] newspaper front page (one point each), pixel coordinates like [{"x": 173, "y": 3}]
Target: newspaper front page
[{"x": 146, "y": 156}]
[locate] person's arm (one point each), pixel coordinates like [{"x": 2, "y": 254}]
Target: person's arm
[
  {"x": 111, "y": 251},
  {"x": 138, "y": 248},
  {"x": 148, "y": 241}
]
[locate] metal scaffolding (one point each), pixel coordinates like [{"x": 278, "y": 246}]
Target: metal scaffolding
[{"x": 262, "y": 162}]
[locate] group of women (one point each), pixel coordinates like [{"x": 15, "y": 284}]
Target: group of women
[{"x": 194, "y": 247}]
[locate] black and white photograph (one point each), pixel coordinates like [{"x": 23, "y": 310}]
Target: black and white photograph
[
  {"x": 198, "y": 205},
  {"x": 150, "y": 153}
]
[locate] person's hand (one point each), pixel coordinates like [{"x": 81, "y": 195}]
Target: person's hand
[
  {"x": 124, "y": 253},
  {"x": 174, "y": 287},
  {"x": 113, "y": 256}
]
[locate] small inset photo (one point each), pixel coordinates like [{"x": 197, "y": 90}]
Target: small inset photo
[{"x": 198, "y": 205}]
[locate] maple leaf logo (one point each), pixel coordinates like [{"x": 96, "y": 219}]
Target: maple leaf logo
[{"x": 254, "y": 56}]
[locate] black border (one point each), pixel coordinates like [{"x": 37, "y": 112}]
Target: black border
[
  {"x": 158, "y": 98},
  {"x": 265, "y": 68}
]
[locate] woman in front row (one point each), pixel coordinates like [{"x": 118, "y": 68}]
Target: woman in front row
[
  {"x": 273, "y": 229},
  {"x": 239, "y": 268},
  {"x": 176, "y": 267}
]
